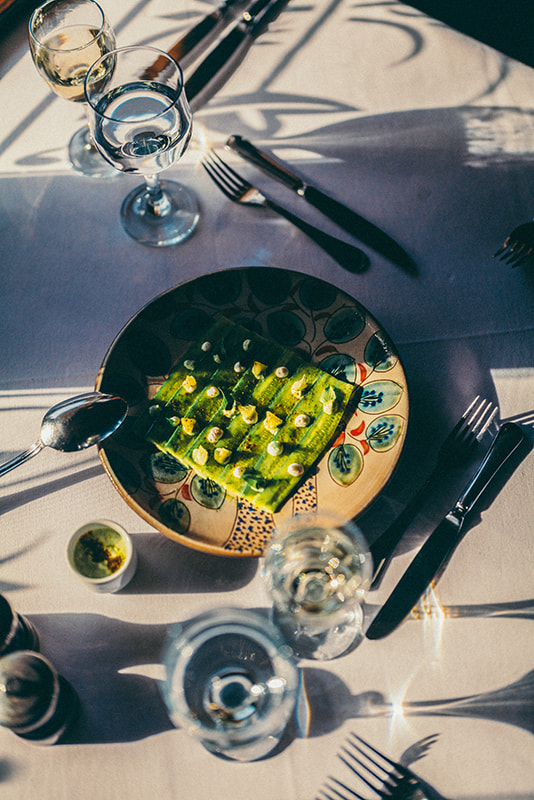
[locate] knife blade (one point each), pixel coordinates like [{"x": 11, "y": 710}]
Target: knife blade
[
  {"x": 203, "y": 33},
  {"x": 233, "y": 47},
  {"x": 345, "y": 217},
  {"x": 442, "y": 541}
]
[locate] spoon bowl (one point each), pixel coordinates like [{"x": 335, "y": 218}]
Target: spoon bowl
[{"x": 75, "y": 424}]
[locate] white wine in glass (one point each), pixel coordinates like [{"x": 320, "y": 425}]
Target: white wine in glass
[
  {"x": 66, "y": 37},
  {"x": 143, "y": 124}
]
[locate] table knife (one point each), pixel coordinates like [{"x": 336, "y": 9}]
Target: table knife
[
  {"x": 441, "y": 543},
  {"x": 204, "y": 32},
  {"x": 345, "y": 217},
  {"x": 254, "y": 21}
]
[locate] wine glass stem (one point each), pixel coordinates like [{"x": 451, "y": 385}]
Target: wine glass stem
[{"x": 158, "y": 203}]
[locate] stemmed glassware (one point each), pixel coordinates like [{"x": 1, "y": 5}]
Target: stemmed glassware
[
  {"x": 66, "y": 37},
  {"x": 317, "y": 568},
  {"x": 142, "y": 123},
  {"x": 231, "y": 682}
]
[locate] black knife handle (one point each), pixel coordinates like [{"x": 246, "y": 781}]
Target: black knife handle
[
  {"x": 417, "y": 578},
  {"x": 227, "y": 50},
  {"x": 265, "y": 161}
]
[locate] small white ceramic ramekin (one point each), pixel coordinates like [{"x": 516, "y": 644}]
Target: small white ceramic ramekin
[{"x": 118, "y": 579}]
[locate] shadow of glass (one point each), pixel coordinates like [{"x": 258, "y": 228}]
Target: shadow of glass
[
  {"x": 7, "y": 769},
  {"x": 521, "y": 609},
  {"x": 93, "y": 652},
  {"x": 165, "y": 566},
  {"x": 90, "y": 651},
  {"x": 325, "y": 704}
]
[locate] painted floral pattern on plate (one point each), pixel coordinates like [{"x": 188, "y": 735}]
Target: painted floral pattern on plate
[{"x": 325, "y": 326}]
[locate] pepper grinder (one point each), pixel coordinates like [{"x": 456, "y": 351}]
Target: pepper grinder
[
  {"x": 35, "y": 702},
  {"x": 16, "y": 632}
]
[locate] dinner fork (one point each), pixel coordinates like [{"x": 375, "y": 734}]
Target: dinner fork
[
  {"x": 455, "y": 450},
  {"x": 518, "y": 247},
  {"x": 386, "y": 778},
  {"x": 239, "y": 190}
]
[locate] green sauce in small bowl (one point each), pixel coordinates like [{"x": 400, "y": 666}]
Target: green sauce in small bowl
[{"x": 99, "y": 553}]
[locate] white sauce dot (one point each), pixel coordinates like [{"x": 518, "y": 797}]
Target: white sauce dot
[
  {"x": 206, "y": 346},
  {"x": 302, "y": 421},
  {"x": 295, "y": 469},
  {"x": 238, "y": 472},
  {"x": 214, "y": 434},
  {"x": 281, "y": 372},
  {"x": 275, "y": 448}
]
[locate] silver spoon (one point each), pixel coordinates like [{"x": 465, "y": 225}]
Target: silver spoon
[{"x": 75, "y": 424}]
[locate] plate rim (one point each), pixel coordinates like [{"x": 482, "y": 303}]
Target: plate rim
[{"x": 199, "y": 544}]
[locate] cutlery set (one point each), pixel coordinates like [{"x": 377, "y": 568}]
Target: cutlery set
[
  {"x": 209, "y": 76},
  {"x": 439, "y": 546},
  {"x": 348, "y": 256},
  {"x": 240, "y": 191},
  {"x": 460, "y": 444},
  {"x": 217, "y": 66},
  {"x": 345, "y": 217}
]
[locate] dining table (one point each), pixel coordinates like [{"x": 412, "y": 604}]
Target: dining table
[{"x": 425, "y": 132}]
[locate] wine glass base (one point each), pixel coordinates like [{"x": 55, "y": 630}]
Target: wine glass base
[
  {"x": 86, "y": 159},
  {"x": 173, "y": 220},
  {"x": 325, "y": 645}
]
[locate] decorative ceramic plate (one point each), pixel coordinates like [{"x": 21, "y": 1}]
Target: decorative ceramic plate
[{"x": 320, "y": 322}]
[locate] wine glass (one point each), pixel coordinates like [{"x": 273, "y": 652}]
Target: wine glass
[
  {"x": 141, "y": 122},
  {"x": 317, "y": 567},
  {"x": 231, "y": 682},
  {"x": 66, "y": 37}
]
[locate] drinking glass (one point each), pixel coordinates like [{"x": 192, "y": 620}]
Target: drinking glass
[
  {"x": 143, "y": 124},
  {"x": 317, "y": 567},
  {"x": 231, "y": 682},
  {"x": 66, "y": 37}
]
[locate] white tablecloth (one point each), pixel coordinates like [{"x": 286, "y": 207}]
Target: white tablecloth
[{"x": 430, "y": 135}]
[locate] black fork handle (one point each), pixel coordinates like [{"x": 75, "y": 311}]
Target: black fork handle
[{"x": 347, "y": 255}]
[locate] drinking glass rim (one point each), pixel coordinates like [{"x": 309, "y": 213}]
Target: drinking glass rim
[
  {"x": 157, "y": 52},
  {"x": 103, "y": 24}
]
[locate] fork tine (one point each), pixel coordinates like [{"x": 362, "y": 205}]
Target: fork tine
[
  {"x": 399, "y": 767},
  {"x": 516, "y": 252},
  {"x": 217, "y": 180},
  {"x": 230, "y": 174},
  {"x": 481, "y": 421},
  {"x": 464, "y": 416},
  {"x": 502, "y": 250},
  {"x": 344, "y": 786},
  {"x": 387, "y": 777},
  {"x": 518, "y": 247},
  {"x": 488, "y": 422},
  {"x": 327, "y": 795},
  {"x": 399, "y": 783},
  {"x": 523, "y": 258},
  {"x": 477, "y": 423},
  {"x": 362, "y": 765},
  {"x": 393, "y": 767}
]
